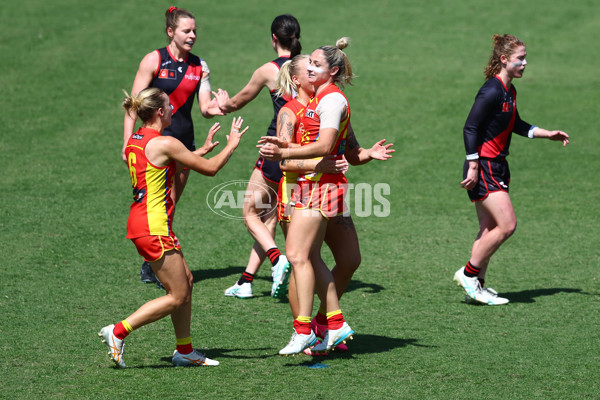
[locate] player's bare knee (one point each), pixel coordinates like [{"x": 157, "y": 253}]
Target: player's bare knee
[
  {"x": 509, "y": 229},
  {"x": 296, "y": 259}
]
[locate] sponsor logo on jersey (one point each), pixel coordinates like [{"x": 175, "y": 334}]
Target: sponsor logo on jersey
[
  {"x": 310, "y": 113},
  {"x": 137, "y": 136},
  {"x": 192, "y": 77},
  {"x": 179, "y": 69},
  {"x": 167, "y": 74},
  {"x": 165, "y": 63}
]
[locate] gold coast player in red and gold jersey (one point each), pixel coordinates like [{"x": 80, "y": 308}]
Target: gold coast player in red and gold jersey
[
  {"x": 152, "y": 160},
  {"x": 320, "y": 197},
  {"x": 184, "y": 77}
]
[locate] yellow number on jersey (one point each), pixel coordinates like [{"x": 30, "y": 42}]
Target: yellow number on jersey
[{"x": 131, "y": 160}]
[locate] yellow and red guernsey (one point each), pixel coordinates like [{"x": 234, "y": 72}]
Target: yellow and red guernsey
[
  {"x": 308, "y": 132},
  {"x": 151, "y": 212}
]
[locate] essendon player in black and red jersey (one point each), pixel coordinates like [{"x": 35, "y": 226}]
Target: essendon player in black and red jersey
[
  {"x": 259, "y": 214},
  {"x": 486, "y": 176},
  {"x": 183, "y": 76}
]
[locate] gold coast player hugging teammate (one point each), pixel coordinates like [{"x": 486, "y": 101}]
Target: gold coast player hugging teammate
[
  {"x": 153, "y": 160},
  {"x": 487, "y": 135},
  {"x": 318, "y": 197}
]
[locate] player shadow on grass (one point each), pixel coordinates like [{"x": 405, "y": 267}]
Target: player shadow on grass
[
  {"x": 235, "y": 271},
  {"x": 528, "y": 296},
  {"x": 216, "y": 273},
  {"x": 214, "y": 353},
  {"x": 363, "y": 344}
]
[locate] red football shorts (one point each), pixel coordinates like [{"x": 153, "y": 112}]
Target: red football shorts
[
  {"x": 153, "y": 248},
  {"x": 326, "y": 198}
]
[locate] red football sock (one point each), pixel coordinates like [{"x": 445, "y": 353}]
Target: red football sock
[
  {"x": 184, "y": 345},
  {"x": 302, "y": 325},
  {"x": 246, "y": 277},
  {"x": 321, "y": 318},
  {"x": 335, "y": 320},
  {"x": 122, "y": 329}
]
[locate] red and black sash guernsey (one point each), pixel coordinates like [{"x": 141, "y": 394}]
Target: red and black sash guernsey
[
  {"x": 498, "y": 145},
  {"x": 180, "y": 81},
  {"x": 492, "y": 120}
]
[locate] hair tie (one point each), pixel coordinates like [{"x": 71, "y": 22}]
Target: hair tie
[{"x": 171, "y": 9}]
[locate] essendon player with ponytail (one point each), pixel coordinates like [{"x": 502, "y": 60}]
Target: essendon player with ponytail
[
  {"x": 263, "y": 184},
  {"x": 486, "y": 176}
]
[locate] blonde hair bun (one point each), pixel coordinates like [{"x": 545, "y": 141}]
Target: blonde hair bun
[{"x": 342, "y": 43}]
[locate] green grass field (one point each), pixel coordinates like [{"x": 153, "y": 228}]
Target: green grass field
[{"x": 67, "y": 270}]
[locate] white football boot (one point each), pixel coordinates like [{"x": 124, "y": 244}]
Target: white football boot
[
  {"x": 243, "y": 291},
  {"x": 116, "y": 346},
  {"x": 334, "y": 337},
  {"x": 298, "y": 343},
  {"x": 194, "y": 359},
  {"x": 281, "y": 277}
]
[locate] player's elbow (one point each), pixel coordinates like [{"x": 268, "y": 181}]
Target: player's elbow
[
  {"x": 353, "y": 160},
  {"x": 211, "y": 172},
  {"x": 206, "y": 114}
]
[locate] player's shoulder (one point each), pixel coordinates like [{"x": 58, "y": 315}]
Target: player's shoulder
[
  {"x": 153, "y": 57},
  {"x": 194, "y": 59},
  {"x": 333, "y": 99},
  {"x": 166, "y": 142},
  {"x": 269, "y": 68},
  {"x": 491, "y": 89},
  {"x": 492, "y": 84}
]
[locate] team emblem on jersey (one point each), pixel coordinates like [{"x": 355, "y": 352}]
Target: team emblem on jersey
[
  {"x": 341, "y": 148},
  {"x": 507, "y": 103},
  {"x": 138, "y": 195},
  {"x": 167, "y": 74}
]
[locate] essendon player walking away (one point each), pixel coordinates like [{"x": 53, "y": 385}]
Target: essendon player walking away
[
  {"x": 153, "y": 160},
  {"x": 487, "y": 134},
  {"x": 183, "y": 76}
]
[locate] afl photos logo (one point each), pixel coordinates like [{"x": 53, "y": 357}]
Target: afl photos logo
[{"x": 227, "y": 199}]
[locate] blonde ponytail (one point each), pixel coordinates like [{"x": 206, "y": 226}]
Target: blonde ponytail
[
  {"x": 285, "y": 84},
  {"x": 144, "y": 104}
]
